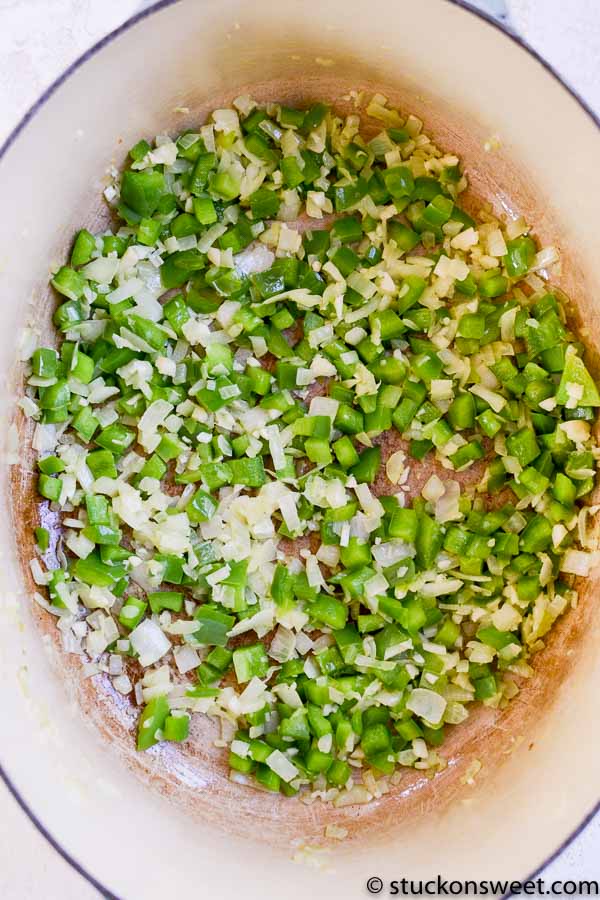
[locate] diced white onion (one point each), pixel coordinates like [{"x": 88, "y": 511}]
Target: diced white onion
[
  {"x": 427, "y": 704},
  {"x": 150, "y": 642},
  {"x": 281, "y": 765},
  {"x": 579, "y": 562},
  {"x": 495, "y": 400}
]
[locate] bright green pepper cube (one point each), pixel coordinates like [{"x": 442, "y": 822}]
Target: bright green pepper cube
[
  {"x": 220, "y": 658},
  {"x": 204, "y": 210},
  {"x": 485, "y": 688},
  {"x": 461, "y": 412},
  {"x": 184, "y": 225},
  {"x": 490, "y": 423},
  {"x": 399, "y": 181},
  {"x": 376, "y": 739},
  {"x": 382, "y": 762},
  {"x": 201, "y": 507},
  {"x": 148, "y": 331},
  {"x": 317, "y": 693},
  {"x": 349, "y": 420},
  {"x": 160, "y": 600},
  {"x": 414, "y": 615},
  {"x": 346, "y": 260},
  {"x": 249, "y": 472},
  {"x": 438, "y": 211},
  {"x": 349, "y": 643},
  {"x": 467, "y": 454},
  {"x": 429, "y": 540},
  {"x": 49, "y": 487},
  {"x": 152, "y": 719},
  {"x": 67, "y": 315},
  {"x": 154, "y": 467},
  {"x": 471, "y": 325},
  {"x": 580, "y": 465},
  {"x": 319, "y": 724},
  {"x": 506, "y": 545},
  {"x": 564, "y": 490},
  {"x": 260, "y": 379},
  {"x": 404, "y": 237},
  {"x": 523, "y": 445},
  {"x": 356, "y": 553},
  {"x": 105, "y": 535},
  {"x": 225, "y": 185},
  {"x": 97, "y": 509},
  {"x": 116, "y": 438},
  {"x": 348, "y": 195},
  {"x": 366, "y": 469},
  {"x": 495, "y": 638},
  {"x": 533, "y": 481},
  {"x": 492, "y": 284},
  {"x": 250, "y": 662},
  {"x": 329, "y": 611},
  {"x": 345, "y": 452},
  {"x": 545, "y": 339},
  {"x": 51, "y": 465},
  {"x": 575, "y": 377},
  {"x": 439, "y": 433},
  {"x": 291, "y": 171},
  {"x": 240, "y": 763},
  {"x": 348, "y": 230},
  {"x": 84, "y": 246},
  {"x": 537, "y": 535},
  {"x": 142, "y": 191},
  {"x": 338, "y": 773},
  {"x": 213, "y": 625},
  {"x": 408, "y": 729},
  {"x": 207, "y": 674},
  {"x": 148, "y": 231},
  {"x": 316, "y": 761},
  {"x": 102, "y": 463},
  {"x": 448, "y": 633},
  {"x": 264, "y": 204},
  {"x": 260, "y": 751},
  {"x": 520, "y": 256},
  {"x": 318, "y": 451},
  {"x": 389, "y": 370},
  {"x": 330, "y": 661},
  {"x": 132, "y": 612},
  {"x": 173, "y": 568},
  {"x": 427, "y": 366},
  {"x": 69, "y": 283},
  {"x": 82, "y": 367},
  {"x": 215, "y": 475},
  {"x": 295, "y": 726},
  {"x": 42, "y": 538},
  {"x": 205, "y": 163},
  {"x": 269, "y": 779},
  {"x": 176, "y": 728},
  {"x": 44, "y": 362},
  {"x": 528, "y": 588},
  {"x": 56, "y": 396},
  {"x": 389, "y": 323}
]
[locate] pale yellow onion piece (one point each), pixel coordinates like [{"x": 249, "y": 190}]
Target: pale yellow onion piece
[{"x": 427, "y": 704}]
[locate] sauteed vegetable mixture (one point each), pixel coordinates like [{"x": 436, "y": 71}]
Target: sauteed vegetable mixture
[{"x": 319, "y": 442}]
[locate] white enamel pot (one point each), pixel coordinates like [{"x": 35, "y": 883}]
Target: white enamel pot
[{"x": 169, "y": 823}]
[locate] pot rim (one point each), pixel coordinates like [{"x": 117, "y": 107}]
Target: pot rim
[{"x": 129, "y": 23}]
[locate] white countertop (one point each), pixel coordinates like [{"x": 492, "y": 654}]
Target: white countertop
[{"x": 38, "y": 39}]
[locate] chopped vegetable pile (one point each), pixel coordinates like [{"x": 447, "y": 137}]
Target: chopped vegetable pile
[{"x": 287, "y": 330}]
